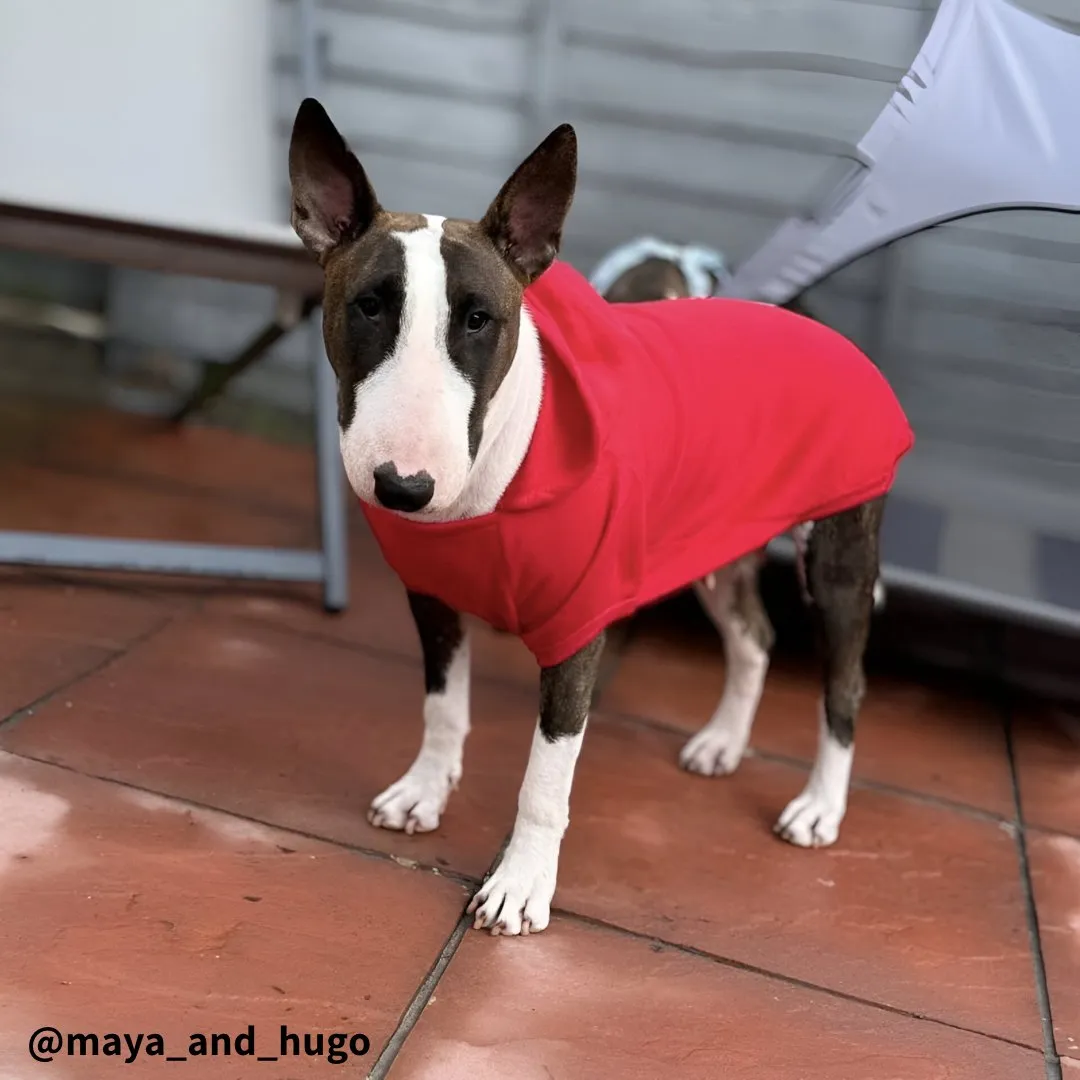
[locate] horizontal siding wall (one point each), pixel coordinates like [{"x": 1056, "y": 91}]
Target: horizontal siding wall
[
  {"x": 434, "y": 96},
  {"x": 710, "y": 122},
  {"x": 989, "y": 363},
  {"x": 703, "y": 120}
]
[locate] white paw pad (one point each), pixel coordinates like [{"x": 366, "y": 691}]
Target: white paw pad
[
  {"x": 412, "y": 804},
  {"x": 516, "y": 899},
  {"x": 713, "y": 752},
  {"x": 810, "y": 820}
]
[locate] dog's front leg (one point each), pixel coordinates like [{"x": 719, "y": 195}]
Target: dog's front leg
[
  {"x": 416, "y": 802},
  {"x": 516, "y": 899}
]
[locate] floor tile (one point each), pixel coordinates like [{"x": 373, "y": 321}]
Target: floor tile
[
  {"x": 1047, "y": 747},
  {"x": 670, "y": 674},
  {"x": 578, "y": 1003},
  {"x": 122, "y": 912},
  {"x": 936, "y": 741},
  {"x": 1055, "y": 877},
  {"x": 72, "y": 469},
  {"x": 300, "y": 733},
  {"x": 285, "y": 729},
  {"x": 916, "y": 906},
  {"x": 264, "y": 705},
  {"x": 41, "y": 500},
  {"x": 377, "y": 616},
  {"x": 131, "y": 448},
  {"x": 51, "y": 634},
  {"x": 909, "y": 735}
]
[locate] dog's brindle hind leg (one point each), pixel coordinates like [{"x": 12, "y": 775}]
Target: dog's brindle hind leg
[
  {"x": 416, "y": 802},
  {"x": 730, "y": 598},
  {"x": 842, "y": 564},
  {"x": 516, "y": 899}
]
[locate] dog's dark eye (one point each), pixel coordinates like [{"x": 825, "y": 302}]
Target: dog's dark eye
[
  {"x": 476, "y": 321},
  {"x": 370, "y": 306}
]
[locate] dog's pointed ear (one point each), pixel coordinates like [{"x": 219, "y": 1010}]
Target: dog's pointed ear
[
  {"x": 332, "y": 200},
  {"x": 525, "y": 221}
]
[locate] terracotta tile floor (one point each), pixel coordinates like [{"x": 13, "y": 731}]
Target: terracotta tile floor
[{"x": 185, "y": 768}]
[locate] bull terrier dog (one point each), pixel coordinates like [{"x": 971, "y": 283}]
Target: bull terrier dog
[{"x": 529, "y": 454}]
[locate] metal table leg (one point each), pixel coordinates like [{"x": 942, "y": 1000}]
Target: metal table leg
[
  {"x": 216, "y": 377},
  {"x": 330, "y": 476}
]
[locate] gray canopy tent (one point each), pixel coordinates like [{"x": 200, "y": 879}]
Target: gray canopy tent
[{"x": 983, "y": 121}]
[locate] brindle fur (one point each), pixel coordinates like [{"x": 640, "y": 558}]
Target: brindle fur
[
  {"x": 441, "y": 634},
  {"x": 566, "y": 691},
  {"x": 841, "y": 568}
]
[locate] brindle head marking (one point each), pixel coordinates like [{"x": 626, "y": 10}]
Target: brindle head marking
[{"x": 421, "y": 315}]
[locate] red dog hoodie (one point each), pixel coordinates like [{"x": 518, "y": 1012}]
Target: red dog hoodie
[{"x": 672, "y": 438}]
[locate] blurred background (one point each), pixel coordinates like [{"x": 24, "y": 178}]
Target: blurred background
[{"x": 705, "y": 121}]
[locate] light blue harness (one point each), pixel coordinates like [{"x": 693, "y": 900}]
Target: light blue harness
[{"x": 705, "y": 270}]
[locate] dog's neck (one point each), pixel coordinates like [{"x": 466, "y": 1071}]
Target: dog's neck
[{"x": 508, "y": 429}]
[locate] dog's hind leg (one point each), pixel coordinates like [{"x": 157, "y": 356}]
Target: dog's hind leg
[
  {"x": 842, "y": 572},
  {"x": 730, "y": 598},
  {"x": 416, "y": 801}
]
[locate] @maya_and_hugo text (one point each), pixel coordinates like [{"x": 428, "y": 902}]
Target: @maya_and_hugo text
[{"x": 335, "y": 1048}]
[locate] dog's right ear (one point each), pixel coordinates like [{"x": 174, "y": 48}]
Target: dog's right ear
[
  {"x": 332, "y": 200},
  {"x": 525, "y": 221}
]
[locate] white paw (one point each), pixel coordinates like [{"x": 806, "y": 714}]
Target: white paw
[
  {"x": 414, "y": 803},
  {"x": 810, "y": 820},
  {"x": 516, "y": 899},
  {"x": 713, "y": 751}
]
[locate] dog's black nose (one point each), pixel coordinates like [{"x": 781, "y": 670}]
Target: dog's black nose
[{"x": 407, "y": 493}]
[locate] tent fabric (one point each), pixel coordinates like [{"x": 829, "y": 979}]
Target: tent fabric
[{"x": 985, "y": 119}]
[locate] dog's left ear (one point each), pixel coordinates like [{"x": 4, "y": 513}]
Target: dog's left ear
[
  {"x": 526, "y": 219},
  {"x": 332, "y": 200}
]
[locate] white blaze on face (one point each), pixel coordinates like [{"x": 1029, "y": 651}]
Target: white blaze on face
[{"x": 413, "y": 409}]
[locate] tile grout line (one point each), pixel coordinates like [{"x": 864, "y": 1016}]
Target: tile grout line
[
  {"x": 381, "y": 652},
  {"x": 144, "y": 585},
  {"x": 13, "y": 719},
  {"x": 174, "y": 488},
  {"x": 788, "y": 980},
  {"x": 38, "y": 577},
  {"x": 426, "y": 990},
  {"x": 420, "y": 1000},
  {"x": 457, "y": 876},
  {"x": 1046, "y": 830},
  {"x": 1042, "y": 990},
  {"x": 805, "y": 765},
  {"x": 386, "y": 653}
]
